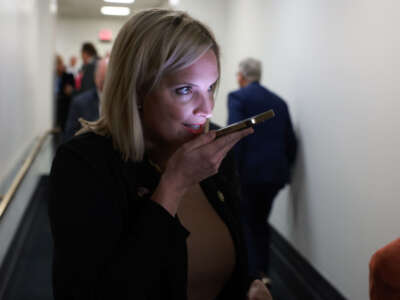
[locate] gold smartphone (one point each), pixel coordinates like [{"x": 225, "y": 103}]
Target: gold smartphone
[{"x": 246, "y": 123}]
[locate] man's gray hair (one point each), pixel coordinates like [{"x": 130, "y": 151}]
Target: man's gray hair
[{"x": 250, "y": 69}]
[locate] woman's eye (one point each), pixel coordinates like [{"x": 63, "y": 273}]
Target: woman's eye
[
  {"x": 211, "y": 88},
  {"x": 183, "y": 90}
]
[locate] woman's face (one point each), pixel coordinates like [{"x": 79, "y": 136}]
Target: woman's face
[{"x": 177, "y": 110}]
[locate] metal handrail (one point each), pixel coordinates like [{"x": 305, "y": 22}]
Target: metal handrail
[{"x": 7, "y": 197}]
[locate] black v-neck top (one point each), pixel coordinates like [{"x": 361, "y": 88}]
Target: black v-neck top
[{"x": 112, "y": 242}]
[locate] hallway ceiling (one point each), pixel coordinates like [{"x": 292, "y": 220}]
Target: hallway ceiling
[{"x": 91, "y": 8}]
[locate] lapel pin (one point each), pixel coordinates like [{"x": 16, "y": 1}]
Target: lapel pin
[{"x": 220, "y": 196}]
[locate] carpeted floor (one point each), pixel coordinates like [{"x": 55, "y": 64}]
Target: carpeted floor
[{"x": 31, "y": 279}]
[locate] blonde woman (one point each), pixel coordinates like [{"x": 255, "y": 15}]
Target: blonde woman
[{"x": 143, "y": 200}]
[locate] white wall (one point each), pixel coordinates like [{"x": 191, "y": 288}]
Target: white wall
[
  {"x": 72, "y": 32},
  {"x": 26, "y": 59},
  {"x": 337, "y": 64}
]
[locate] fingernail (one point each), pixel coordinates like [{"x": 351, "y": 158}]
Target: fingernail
[{"x": 249, "y": 131}]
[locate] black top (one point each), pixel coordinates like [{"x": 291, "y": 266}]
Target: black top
[{"x": 112, "y": 242}]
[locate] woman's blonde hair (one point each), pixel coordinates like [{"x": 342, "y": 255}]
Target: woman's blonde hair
[{"x": 152, "y": 44}]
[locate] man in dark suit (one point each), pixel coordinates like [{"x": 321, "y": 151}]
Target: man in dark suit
[
  {"x": 264, "y": 159},
  {"x": 89, "y": 58},
  {"x": 86, "y": 105}
]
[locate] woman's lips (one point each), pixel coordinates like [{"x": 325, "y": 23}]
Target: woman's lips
[{"x": 194, "y": 128}]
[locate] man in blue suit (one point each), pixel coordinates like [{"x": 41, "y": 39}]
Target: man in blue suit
[{"x": 264, "y": 159}]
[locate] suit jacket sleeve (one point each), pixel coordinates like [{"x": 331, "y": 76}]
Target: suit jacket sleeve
[{"x": 91, "y": 260}]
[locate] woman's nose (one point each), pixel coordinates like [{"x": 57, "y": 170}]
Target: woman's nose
[{"x": 205, "y": 107}]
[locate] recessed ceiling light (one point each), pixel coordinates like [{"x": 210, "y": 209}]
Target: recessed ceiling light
[
  {"x": 120, "y": 1},
  {"x": 115, "y": 10},
  {"x": 53, "y": 6},
  {"x": 174, "y": 2}
]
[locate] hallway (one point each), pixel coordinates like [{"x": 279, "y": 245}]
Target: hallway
[{"x": 336, "y": 63}]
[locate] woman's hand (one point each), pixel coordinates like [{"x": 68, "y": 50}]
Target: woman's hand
[
  {"x": 258, "y": 291},
  {"x": 191, "y": 163}
]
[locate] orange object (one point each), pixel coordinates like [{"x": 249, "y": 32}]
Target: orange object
[{"x": 384, "y": 276}]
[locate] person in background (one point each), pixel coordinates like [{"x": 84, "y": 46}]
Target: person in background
[
  {"x": 63, "y": 89},
  {"x": 264, "y": 159},
  {"x": 86, "y": 104},
  {"x": 143, "y": 202},
  {"x": 73, "y": 67},
  {"x": 89, "y": 58}
]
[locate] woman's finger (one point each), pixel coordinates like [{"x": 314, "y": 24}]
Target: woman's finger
[
  {"x": 233, "y": 137},
  {"x": 228, "y": 143},
  {"x": 201, "y": 140},
  {"x": 258, "y": 291}
]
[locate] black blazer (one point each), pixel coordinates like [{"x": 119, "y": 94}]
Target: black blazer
[{"x": 112, "y": 242}]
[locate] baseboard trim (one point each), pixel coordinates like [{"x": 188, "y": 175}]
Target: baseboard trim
[{"x": 299, "y": 276}]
